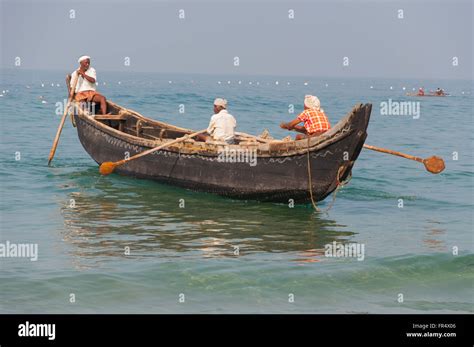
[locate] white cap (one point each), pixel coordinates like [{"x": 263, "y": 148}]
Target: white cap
[
  {"x": 84, "y": 57},
  {"x": 220, "y": 102},
  {"x": 311, "y": 101}
]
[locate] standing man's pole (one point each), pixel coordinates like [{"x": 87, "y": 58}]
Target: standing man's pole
[{"x": 63, "y": 119}]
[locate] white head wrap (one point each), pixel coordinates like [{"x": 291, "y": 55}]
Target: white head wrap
[
  {"x": 220, "y": 102},
  {"x": 311, "y": 101},
  {"x": 84, "y": 57}
]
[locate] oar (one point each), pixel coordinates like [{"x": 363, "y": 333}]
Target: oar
[
  {"x": 257, "y": 138},
  {"x": 63, "y": 119},
  {"x": 433, "y": 164},
  {"x": 108, "y": 167}
]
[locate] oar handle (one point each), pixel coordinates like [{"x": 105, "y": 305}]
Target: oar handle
[
  {"x": 403, "y": 155},
  {"x": 139, "y": 155}
]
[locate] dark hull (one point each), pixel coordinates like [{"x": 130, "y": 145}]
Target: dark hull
[{"x": 273, "y": 178}]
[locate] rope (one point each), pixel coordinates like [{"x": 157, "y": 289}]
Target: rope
[
  {"x": 310, "y": 180},
  {"x": 339, "y": 184}
]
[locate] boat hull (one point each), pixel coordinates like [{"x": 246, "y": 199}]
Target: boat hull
[{"x": 268, "y": 178}]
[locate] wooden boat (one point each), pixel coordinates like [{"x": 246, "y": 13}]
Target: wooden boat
[
  {"x": 282, "y": 171},
  {"x": 431, "y": 94}
]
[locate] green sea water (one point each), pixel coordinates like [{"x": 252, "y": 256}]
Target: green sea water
[{"x": 218, "y": 255}]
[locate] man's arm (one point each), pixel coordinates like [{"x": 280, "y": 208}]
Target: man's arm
[
  {"x": 291, "y": 125},
  {"x": 210, "y": 128},
  {"x": 83, "y": 74}
]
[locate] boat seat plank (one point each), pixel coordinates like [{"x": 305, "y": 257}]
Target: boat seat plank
[
  {"x": 143, "y": 127},
  {"x": 118, "y": 117},
  {"x": 132, "y": 130}
]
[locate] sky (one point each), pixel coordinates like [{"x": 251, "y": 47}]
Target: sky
[{"x": 434, "y": 39}]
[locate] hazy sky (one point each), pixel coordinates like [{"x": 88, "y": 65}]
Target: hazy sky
[{"x": 260, "y": 33}]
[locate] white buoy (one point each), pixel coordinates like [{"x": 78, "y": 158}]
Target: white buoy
[
  {"x": 250, "y": 82},
  {"x": 306, "y": 83},
  {"x": 276, "y": 82},
  {"x": 119, "y": 82},
  {"x": 170, "y": 82},
  {"x": 42, "y": 85},
  {"x": 403, "y": 88},
  {"x": 218, "y": 82},
  {"x": 327, "y": 85},
  {"x": 258, "y": 83},
  {"x": 391, "y": 87},
  {"x": 52, "y": 84},
  {"x": 240, "y": 82},
  {"x": 44, "y": 102},
  {"x": 371, "y": 87},
  {"x": 288, "y": 83}
]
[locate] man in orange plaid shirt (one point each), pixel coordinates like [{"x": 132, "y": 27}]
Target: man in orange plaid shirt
[{"x": 315, "y": 120}]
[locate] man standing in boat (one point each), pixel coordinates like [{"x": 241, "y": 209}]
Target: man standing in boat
[
  {"x": 86, "y": 85},
  {"x": 222, "y": 124},
  {"x": 315, "y": 120}
]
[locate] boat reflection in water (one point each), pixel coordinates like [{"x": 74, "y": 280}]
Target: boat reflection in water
[{"x": 156, "y": 220}]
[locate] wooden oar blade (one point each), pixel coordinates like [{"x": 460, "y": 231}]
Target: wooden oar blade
[
  {"x": 107, "y": 168},
  {"x": 434, "y": 164}
]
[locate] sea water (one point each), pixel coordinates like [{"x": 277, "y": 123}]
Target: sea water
[{"x": 116, "y": 244}]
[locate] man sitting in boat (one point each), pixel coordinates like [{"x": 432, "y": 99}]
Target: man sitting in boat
[
  {"x": 315, "y": 120},
  {"x": 222, "y": 124},
  {"x": 439, "y": 92},
  {"x": 421, "y": 92},
  {"x": 86, "y": 87}
]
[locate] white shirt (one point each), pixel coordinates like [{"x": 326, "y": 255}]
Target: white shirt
[
  {"x": 83, "y": 84},
  {"x": 222, "y": 125}
]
